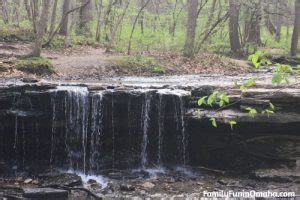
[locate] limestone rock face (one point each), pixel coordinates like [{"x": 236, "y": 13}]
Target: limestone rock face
[{"x": 90, "y": 128}]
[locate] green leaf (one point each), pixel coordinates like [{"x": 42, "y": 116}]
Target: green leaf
[
  {"x": 268, "y": 112},
  {"x": 232, "y": 123},
  {"x": 224, "y": 97},
  {"x": 272, "y": 106},
  {"x": 201, "y": 101},
  {"x": 254, "y": 59},
  {"x": 210, "y": 100},
  {"x": 213, "y": 122},
  {"x": 277, "y": 78},
  {"x": 221, "y": 103},
  {"x": 268, "y": 63},
  {"x": 251, "y": 111},
  {"x": 249, "y": 83}
]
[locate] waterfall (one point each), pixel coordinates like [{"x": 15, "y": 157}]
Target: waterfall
[
  {"x": 179, "y": 122},
  {"x": 161, "y": 117},
  {"x": 23, "y": 143},
  {"x": 96, "y": 130},
  {"x": 113, "y": 130},
  {"x": 180, "y": 125},
  {"x": 53, "y": 104},
  {"x": 80, "y": 116},
  {"x": 145, "y": 125},
  {"x": 184, "y": 143},
  {"x": 76, "y": 124},
  {"x": 16, "y": 133}
]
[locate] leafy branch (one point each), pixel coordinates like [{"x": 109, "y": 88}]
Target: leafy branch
[{"x": 259, "y": 59}]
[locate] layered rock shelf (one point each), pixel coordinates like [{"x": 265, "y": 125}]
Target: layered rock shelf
[{"x": 128, "y": 124}]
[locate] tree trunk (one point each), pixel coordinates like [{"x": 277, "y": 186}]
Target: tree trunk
[
  {"x": 53, "y": 18},
  {"x": 234, "y": 11},
  {"x": 99, "y": 15},
  {"x": 27, "y": 7},
  {"x": 34, "y": 13},
  {"x": 189, "y": 47},
  {"x": 142, "y": 18},
  {"x": 65, "y": 23},
  {"x": 3, "y": 5},
  {"x": 267, "y": 20},
  {"x": 16, "y": 15},
  {"x": 296, "y": 32},
  {"x": 252, "y": 26},
  {"x": 279, "y": 7},
  {"x": 116, "y": 27},
  {"x": 42, "y": 24},
  {"x": 133, "y": 26},
  {"x": 85, "y": 15},
  {"x": 211, "y": 15}
]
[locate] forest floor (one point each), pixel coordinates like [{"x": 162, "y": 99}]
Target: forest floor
[{"x": 87, "y": 62}]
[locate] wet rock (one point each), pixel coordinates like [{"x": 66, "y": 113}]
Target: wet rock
[
  {"x": 222, "y": 182},
  {"x": 111, "y": 87},
  {"x": 65, "y": 179},
  {"x": 157, "y": 195},
  {"x": 91, "y": 181},
  {"x": 127, "y": 188},
  {"x": 28, "y": 180},
  {"x": 148, "y": 185},
  {"x": 142, "y": 192},
  {"x": 200, "y": 183},
  {"x": 278, "y": 175},
  {"x": 94, "y": 184},
  {"x": 96, "y": 87},
  {"x": 172, "y": 180},
  {"x": 233, "y": 184},
  {"x": 35, "y": 182},
  {"x": 45, "y": 194},
  {"x": 115, "y": 175},
  {"x": 30, "y": 80}
]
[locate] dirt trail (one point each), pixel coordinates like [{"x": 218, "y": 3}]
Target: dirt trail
[
  {"x": 69, "y": 63},
  {"x": 89, "y": 63},
  {"x": 78, "y": 63}
]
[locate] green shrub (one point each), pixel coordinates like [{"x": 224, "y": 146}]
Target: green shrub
[{"x": 35, "y": 65}]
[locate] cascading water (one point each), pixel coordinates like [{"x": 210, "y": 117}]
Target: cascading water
[
  {"x": 90, "y": 131},
  {"x": 76, "y": 125},
  {"x": 96, "y": 130},
  {"x": 161, "y": 117},
  {"x": 145, "y": 125},
  {"x": 53, "y": 128},
  {"x": 183, "y": 134},
  {"x": 113, "y": 130},
  {"x": 179, "y": 111}
]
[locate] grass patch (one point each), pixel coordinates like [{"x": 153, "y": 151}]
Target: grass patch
[
  {"x": 138, "y": 64},
  {"x": 35, "y": 65},
  {"x": 14, "y": 33}
]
